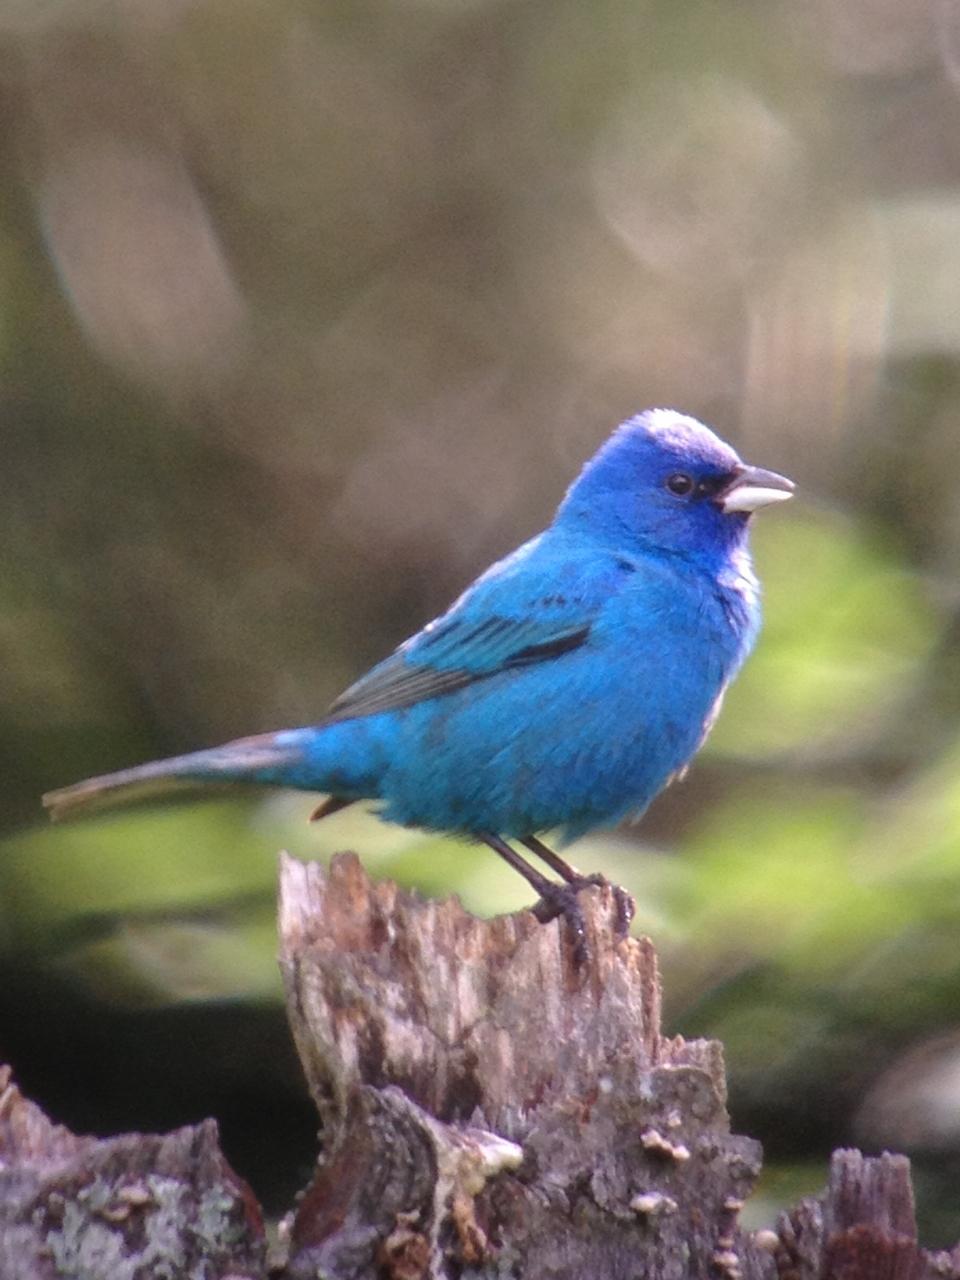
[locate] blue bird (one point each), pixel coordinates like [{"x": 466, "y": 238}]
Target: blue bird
[{"x": 567, "y": 686}]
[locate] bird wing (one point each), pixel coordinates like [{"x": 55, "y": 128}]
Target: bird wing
[{"x": 529, "y": 608}]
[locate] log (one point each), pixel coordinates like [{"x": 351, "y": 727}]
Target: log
[{"x": 490, "y": 1108}]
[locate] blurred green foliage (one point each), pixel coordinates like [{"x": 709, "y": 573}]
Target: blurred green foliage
[
  {"x": 848, "y": 627},
  {"x": 309, "y": 311}
]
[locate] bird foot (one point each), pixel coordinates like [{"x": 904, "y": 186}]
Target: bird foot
[
  {"x": 562, "y": 900},
  {"x": 626, "y": 909}
]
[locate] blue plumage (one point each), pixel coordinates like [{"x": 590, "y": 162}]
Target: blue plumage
[{"x": 568, "y": 684}]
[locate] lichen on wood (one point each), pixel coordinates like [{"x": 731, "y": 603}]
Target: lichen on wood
[{"x": 134, "y": 1207}]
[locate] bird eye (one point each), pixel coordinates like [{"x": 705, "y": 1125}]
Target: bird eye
[{"x": 680, "y": 483}]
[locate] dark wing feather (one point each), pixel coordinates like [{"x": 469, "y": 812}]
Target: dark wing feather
[
  {"x": 450, "y": 655},
  {"x": 535, "y": 606},
  {"x": 394, "y": 684}
]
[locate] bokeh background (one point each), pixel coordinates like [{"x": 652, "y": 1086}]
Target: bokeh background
[{"x": 310, "y": 310}]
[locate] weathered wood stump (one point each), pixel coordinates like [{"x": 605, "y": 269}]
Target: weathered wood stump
[
  {"x": 489, "y": 1110},
  {"x": 136, "y": 1207},
  {"x": 862, "y": 1228},
  {"x": 488, "y": 1107}
]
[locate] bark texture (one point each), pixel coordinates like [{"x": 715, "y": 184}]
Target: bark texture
[
  {"x": 136, "y": 1207},
  {"x": 490, "y": 1110}
]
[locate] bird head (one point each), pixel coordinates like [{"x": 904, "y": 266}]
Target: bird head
[{"x": 664, "y": 480}]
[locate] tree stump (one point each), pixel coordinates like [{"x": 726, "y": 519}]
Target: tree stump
[
  {"x": 489, "y": 1107},
  {"x": 490, "y": 1110},
  {"x": 136, "y": 1207}
]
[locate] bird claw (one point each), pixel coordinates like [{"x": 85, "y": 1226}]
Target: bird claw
[
  {"x": 626, "y": 909},
  {"x": 563, "y": 900}
]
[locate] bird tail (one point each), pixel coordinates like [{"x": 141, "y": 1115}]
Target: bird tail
[{"x": 267, "y": 759}]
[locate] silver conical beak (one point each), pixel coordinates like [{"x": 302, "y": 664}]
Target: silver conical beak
[{"x": 752, "y": 488}]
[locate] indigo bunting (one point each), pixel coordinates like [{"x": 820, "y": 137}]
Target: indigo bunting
[{"x": 568, "y": 684}]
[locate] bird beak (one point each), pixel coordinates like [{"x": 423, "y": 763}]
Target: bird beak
[{"x": 751, "y": 488}]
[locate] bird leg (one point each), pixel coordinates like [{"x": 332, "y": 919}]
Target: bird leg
[
  {"x": 577, "y": 881},
  {"x": 553, "y": 860},
  {"x": 555, "y": 899},
  {"x": 539, "y": 882},
  {"x": 560, "y": 899}
]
